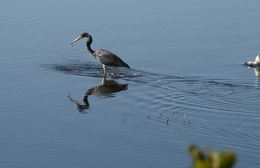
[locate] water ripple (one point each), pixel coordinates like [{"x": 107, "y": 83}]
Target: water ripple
[{"x": 206, "y": 104}]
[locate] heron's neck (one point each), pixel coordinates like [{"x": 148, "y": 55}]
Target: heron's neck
[{"x": 88, "y": 46}]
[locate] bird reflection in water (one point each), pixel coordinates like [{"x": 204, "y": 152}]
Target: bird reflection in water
[
  {"x": 257, "y": 71},
  {"x": 107, "y": 88}
]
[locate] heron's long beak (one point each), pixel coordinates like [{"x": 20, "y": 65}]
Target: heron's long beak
[{"x": 76, "y": 39}]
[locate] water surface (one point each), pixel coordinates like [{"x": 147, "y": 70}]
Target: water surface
[{"x": 187, "y": 83}]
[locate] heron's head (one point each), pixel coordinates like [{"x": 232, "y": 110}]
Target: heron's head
[{"x": 81, "y": 36}]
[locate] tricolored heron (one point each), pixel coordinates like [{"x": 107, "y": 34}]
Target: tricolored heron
[{"x": 106, "y": 58}]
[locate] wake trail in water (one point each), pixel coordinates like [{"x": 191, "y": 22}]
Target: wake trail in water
[
  {"x": 176, "y": 99},
  {"x": 138, "y": 76}
]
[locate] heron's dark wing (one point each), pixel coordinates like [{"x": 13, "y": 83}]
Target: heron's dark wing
[{"x": 110, "y": 59}]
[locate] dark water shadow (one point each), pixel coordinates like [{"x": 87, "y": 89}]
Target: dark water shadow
[
  {"x": 107, "y": 89},
  {"x": 90, "y": 69}
]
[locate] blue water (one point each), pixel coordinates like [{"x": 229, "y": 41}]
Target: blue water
[{"x": 187, "y": 83}]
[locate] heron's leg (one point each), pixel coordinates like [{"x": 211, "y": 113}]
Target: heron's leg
[
  {"x": 103, "y": 81},
  {"x": 104, "y": 68}
]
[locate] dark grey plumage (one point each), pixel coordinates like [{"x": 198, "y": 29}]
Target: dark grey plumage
[{"x": 106, "y": 58}]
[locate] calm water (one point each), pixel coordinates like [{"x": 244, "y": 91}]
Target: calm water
[{"x": 187, "y": 83}]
